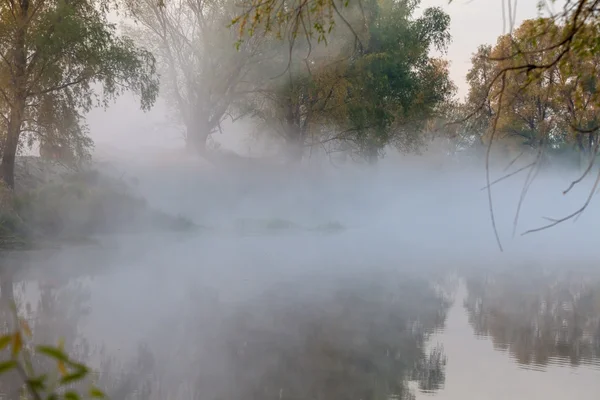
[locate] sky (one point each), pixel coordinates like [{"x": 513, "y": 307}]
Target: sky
[{"x": 473, "y": 22}]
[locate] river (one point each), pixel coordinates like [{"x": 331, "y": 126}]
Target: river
[{"x": 410, "y": 299}]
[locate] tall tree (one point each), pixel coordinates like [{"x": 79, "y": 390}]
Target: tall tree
[
  {"x": 539, "y": 107},
  {"x": 362, "y": 100},
  {"x": 397, "y": 85},
  {"x": 543, "y": 90},
  {"x": 203, "y": 70},
  {"x": 480, "y": 77},
  {"x": 52, "y": 52}
]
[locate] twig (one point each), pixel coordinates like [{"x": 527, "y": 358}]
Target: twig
[
  {"x": 528, "y": 181},
  {"x": 570, "y": 216},
  {"x": 587, "y": 170},
  {"x": 509, "y": 175},
  {"x": 487, "y": 165},
  {"x": 510, "y": 164}
]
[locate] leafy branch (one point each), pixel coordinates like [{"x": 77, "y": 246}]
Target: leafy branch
[{"x": 18, "y": 346}]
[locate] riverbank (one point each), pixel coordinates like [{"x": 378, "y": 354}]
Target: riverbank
[{"x": 53, "y": 204}]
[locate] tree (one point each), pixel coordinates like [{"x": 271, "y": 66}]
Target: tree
[
  {"x": 540, "y": 108},
  {"x": 525, "y": 113},
  {"x": 52, "y": 53},
  {"x": 479, "y": 78},
  {"x": 397, "y": 86},
  {"x": 361, "y": 100},
  {"x": 204, "y": 73},
  {"x": 543, "y": 89},
  {"x": 301, "y": 99}
]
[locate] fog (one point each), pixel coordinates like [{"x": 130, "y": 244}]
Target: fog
[
  {"x": 323, "y": 278},
  {"x": 407, "y": 222}
]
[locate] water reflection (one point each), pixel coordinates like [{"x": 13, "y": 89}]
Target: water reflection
[
  {"x": 360, "y": 338},
  {"x": 54, "y": 311},
  {"x": 356, "y": 336},
  {"x": 539, "y": 316}
]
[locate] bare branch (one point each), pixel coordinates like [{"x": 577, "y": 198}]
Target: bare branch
[
  {"x": 487, "y": 166},
  {"x": 511, "y": 174},
  {"x": 59, "y": 87},
  {"x": 570, "y": 216}
]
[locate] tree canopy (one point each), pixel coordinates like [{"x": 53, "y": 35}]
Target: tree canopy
[
  {"x": 53, "y": 53},
  {"x": 329, "y": 95},
  {"x": 535, "y": 90},
  {"x": 203, "y": 73}
]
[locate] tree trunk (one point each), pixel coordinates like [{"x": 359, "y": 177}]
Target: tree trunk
[
  {"x": 7, "y": 168},
  {"x": 295, "y": 151},
  {"x": 18, "y": 89},
  {"x": 294, "y": 135},
  {"x": 197, "y": 134}
]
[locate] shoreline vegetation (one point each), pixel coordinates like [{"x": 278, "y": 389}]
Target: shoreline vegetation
[{"x": 53, "y": 205}]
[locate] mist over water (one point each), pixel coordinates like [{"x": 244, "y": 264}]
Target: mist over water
[{"x": 407, "y": 293}]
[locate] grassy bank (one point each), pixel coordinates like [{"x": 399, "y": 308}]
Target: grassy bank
[{"x": 52, "y": 204}]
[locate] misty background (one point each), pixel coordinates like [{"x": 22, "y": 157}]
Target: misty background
[{"x": 185, "y": 260}]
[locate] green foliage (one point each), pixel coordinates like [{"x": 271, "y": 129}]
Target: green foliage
[
  {"x": 333, "y": 95},
  {"x": 288, "y": 18},
  {"x": 50, "y": 384},
  {"x": 548, "y": 98},
  {"x": 396, "y": 84},
  {"x": 76, "y": 206},
  {"x": 52, "y": 54}
]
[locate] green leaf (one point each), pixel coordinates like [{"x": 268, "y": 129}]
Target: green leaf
[
  {"x": 37, "y": 383},
  {"x": 7, "y": 366},
  {"x": 4, "y": 341},
  {"x": 75, "y": 376},
  {"x": 71, "y": 395},
  {"x": 96, "y": 393},
  {"x": 53, "y": 352},
  {"x": 52, "y": 396}
]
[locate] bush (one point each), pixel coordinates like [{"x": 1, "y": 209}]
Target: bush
[{"x": 77, "y": 205}]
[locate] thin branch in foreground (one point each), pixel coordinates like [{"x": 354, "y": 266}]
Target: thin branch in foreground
[
  {"x": 570, "y": 216},
  {"x": 487, "y": 165},
  {"x": 587, "y": 170},
  {"x": 510, "y": 164},
  {"x": 511, "y": 174},
  {"x": 531, "y": 175}
]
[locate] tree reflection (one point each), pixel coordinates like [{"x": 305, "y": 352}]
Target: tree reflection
[
  {"x": 360, "y": 340},
  {"x": 363, "y": 337},
  {"x": 540, "y": 317},
  {"x": 53, "y": 310}
]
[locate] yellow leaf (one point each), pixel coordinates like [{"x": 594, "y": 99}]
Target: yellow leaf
[
  {"x": 17, "y": 344},
  {"x": 62, "y": 368},
  {"x": 25, "y": 327}
]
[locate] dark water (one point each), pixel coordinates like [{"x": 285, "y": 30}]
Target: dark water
[{"x": 352, "y": 333}]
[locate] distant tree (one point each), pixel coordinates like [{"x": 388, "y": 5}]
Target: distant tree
[
  {"x": 362, "y": 100},
  {"x": 538, "y": 85},
  {"x": 52, "y": 52},
  {"x": 305, "y": 90},
  {"x": 202, "y": 69},
  {"x": 397, "y": 85},
  {"x": 540, "y": 108},
  {"x": 479, "y": 78}
]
